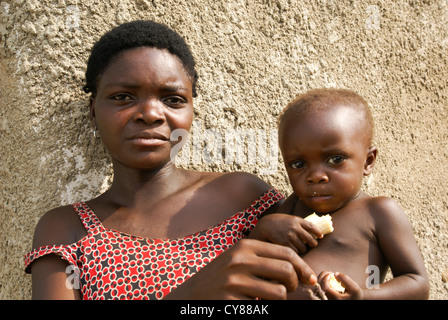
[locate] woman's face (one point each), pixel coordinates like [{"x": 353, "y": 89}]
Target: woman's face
[{"x": 142, "y": 97}]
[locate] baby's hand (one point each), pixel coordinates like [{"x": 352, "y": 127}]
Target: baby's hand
[
  {"x": 287, "y": 230},
  {"x": 350, "y": 289}
]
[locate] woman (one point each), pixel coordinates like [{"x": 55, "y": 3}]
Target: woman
[{"x": 157, "y": 225}]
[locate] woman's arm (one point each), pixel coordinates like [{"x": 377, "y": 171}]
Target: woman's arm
[
  {"x": 52, "y": 280},
  {"x": 52, "y": 277}
]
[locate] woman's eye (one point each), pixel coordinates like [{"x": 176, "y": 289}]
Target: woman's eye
[
  {"x": 336, "y": 160},
  {"x": 121, "y": 97},
  {"x": 297, "y": 164}
]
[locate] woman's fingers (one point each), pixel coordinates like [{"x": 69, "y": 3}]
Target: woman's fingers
[
  {"x": 265, "y": 270},
  {"x": 279, "y": 260},
  {"x": 246, "y": 286}
]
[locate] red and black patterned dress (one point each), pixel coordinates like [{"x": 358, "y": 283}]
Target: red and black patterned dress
[{"x": 108, "y": 264}]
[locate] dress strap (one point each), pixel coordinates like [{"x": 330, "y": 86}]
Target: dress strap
[
  {"x": 87, "y": 216},
  {"x": 266, "y": 201},
  {"x": 66, "y": 252}
]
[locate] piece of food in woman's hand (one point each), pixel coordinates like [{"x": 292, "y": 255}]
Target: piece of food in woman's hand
[
  {"x": 324, "y": 223},
  {"x": 316, "y": 292},
  {"x": 335, "y": 284}
]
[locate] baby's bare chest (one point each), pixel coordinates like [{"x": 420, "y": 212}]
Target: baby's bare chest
[{"x": 349, "y": 249}]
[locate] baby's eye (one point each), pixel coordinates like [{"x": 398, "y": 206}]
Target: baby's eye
[
  {"x": 336, "y": 159},
  {"x": 297, "y": 164},
  {"x": 175, "y": 100}
]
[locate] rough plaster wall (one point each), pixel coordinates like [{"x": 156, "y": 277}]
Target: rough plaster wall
[{"x": 253, "y": 57}]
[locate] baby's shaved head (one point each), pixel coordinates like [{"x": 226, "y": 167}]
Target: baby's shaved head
[{"x": 324, "y": 99}]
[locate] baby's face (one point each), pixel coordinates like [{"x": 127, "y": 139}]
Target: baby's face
[{"x": 325, "y": 154}]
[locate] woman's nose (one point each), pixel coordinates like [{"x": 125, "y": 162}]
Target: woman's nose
[{"x": 150, "y": 110}]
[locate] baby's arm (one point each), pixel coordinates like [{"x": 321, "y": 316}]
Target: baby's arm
[
  {"x": 397, "y": 243},
  {"x": 286, "y": 229}
]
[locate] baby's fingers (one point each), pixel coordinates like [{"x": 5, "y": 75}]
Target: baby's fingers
[
  {"x": 312, "y": 233},
  {"x": 297, "y": 244},
  {"x": 352, "y": 289}
]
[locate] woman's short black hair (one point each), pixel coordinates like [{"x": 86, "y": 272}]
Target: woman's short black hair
[{"x": 134, "y": 34}]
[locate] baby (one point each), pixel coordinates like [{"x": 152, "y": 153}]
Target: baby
[{"x": 325, "y": 137}]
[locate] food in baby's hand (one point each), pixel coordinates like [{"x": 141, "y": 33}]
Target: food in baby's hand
[
  {"x": 324, "y": 223},
  {"x": 335, "y": 284}
]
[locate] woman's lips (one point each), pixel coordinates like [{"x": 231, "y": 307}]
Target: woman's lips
[
  {"x": 149, "y": 139},
  {"x": 148, "y": 142}
]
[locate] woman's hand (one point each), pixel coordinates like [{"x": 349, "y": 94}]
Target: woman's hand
[
  {"x": 287, "y": 230},
  {"x": 250, "y": 269}
]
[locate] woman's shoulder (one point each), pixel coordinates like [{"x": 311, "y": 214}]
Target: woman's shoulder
[
  {"x": 241, "y": 187},
  {"x": 59, "y": 226},
  {"x": 237, "y": 181}
]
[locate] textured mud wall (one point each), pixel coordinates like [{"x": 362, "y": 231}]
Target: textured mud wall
[{"x": 253, "y": 57}]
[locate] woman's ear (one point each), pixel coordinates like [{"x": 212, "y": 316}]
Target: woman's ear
[
  {"x": 92, "y": 110},
  {"x": 370, "y": 160}
]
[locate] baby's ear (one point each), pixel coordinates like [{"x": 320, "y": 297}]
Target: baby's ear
[{"x": 370, "y": 160}]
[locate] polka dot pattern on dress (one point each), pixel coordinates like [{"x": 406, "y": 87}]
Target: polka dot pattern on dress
[{"x": 114, "y": 265}]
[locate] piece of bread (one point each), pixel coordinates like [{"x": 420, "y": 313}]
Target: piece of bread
[
  {"x": 335, "y": 284},
  {"x": 324, "y": 223}
]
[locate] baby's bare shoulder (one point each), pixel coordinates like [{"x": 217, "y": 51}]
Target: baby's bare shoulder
[
  {"x": 386, "y": 212},
  {"x": 384, "y": 206}
]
